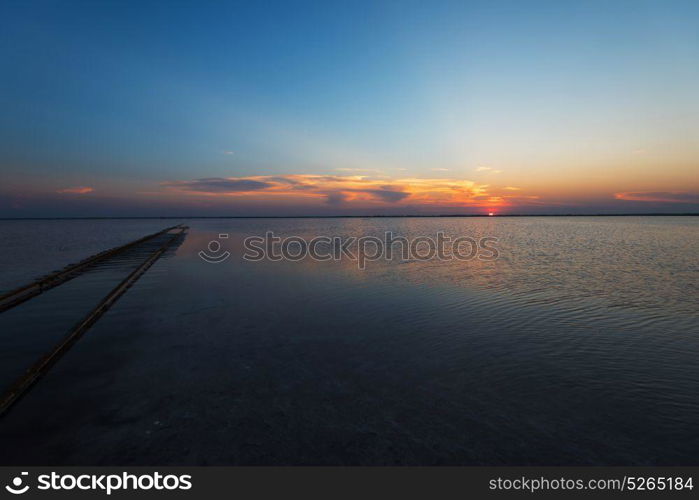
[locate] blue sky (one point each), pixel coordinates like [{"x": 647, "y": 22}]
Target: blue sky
[{"x": 575, "y": 106}]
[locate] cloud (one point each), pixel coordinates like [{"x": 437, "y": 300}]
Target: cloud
[
  {"x": 76, "y": 190},
  {"x": 336, "y": 198},
  {"x": 659, "y": 196},
  {"x": 387, "y": 195},
  {"x": 219, "y": 185},
  {"x": 488, "y": 169},
  {"x": 440, "y": 169},
  {"x": 364, "y": 170},
  {"x": 511, "y": 188},
  {"x": 228, "y": 152},
  {"x": 337, "y": 189}
]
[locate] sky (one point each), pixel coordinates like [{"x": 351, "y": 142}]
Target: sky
[{"x": 348, "y": 108}]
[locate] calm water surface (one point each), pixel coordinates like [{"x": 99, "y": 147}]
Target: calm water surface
[{"x": 579, "y": 345}]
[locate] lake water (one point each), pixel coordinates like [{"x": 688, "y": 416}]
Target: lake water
[{"x": 579, "y": 344}]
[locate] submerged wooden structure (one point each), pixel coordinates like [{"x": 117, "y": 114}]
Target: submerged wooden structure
[{"x": 22, "y": 294}]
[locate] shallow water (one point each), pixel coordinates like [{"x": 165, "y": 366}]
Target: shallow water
[
  {"x": 578, "y": 345},
  {"x": 32, "y": 248}
]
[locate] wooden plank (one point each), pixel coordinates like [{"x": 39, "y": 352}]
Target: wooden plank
[
  {"x": 22, "y": 294},
  {"x": 44, "y": 364}
]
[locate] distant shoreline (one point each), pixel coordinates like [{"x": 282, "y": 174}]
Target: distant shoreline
[{"x": 354, "y": 216}]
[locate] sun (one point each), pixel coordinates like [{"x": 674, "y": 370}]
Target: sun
[{"x": 490, "y": 214}]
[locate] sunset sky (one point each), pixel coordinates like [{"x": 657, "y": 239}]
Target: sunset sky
[{"x": 323, "y": 108}]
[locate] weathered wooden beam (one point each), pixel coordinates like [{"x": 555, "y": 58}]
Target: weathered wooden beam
[
  {"x": 22, "y": 386},
  {"x": 22, "y": 294}
]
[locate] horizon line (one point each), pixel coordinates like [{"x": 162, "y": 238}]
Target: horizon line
[{"x": 636, "y": 214}]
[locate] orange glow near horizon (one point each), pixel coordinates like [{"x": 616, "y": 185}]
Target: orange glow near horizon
[
  {"x": 335, "y": 190},
  {"x": 413, "y": 193}
]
